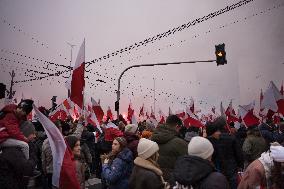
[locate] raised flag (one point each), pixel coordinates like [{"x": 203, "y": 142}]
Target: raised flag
[
  {"x": 78, "y": 80},
  {"x": 109, "y": 114},
  {"x": 64, "y": 171},
  {"x": 97, "y": 110},
  {"x": 246, "y": 113}
]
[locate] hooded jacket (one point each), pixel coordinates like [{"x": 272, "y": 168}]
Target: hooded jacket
[
  {"x": 132, "y": 142},
  {"x": 170, "y": 148},
  {"x": 9, "y": 124},
  {"x": 118, "y": 171},
  {"x": 195, "y": 172}
]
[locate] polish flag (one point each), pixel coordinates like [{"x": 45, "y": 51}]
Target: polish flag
[
  {"x": 152, "y": 115},
  {"x": 78, "y": 80},
  {"x": 141, "y": 113},
  {"x": 222, "y": 110},
  {"x": 109, "y": 114},
  {"x": 64, "y": 172},
  {"x": 92, "y": 119},
  {"x": 180, "y": 114},
  {"x": 273, "y": 100},
  {"x": 130, "y": 112},
  {"x": 246, "y": 113},
  {"x": 162, "y": 117},
  {"x": 191, "y": 120},
  {"x": 97, "y": 110},
  {"x": 59, "y": 113},
  {"x": 282, "y": 89}
]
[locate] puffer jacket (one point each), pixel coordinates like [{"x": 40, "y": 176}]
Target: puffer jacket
[
  {"x": 119, "y": 170},
  {"x": 9, "y": 124},
  {"x": 170, "y": 148},
  {"x": 198, "y": 173}
]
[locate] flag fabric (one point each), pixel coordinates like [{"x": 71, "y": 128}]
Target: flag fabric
[
  {"x": 191, "y": 120},
  {"x": 273, "y": 100},
  {"x": 109, "y": 114},
  {"x": 97, "y": 110},
  {"x": 130, "y": 112},
  {"x": 191, "y": 106},
  {"x": 282, "y": 89},
  {"x": 162, "y": 117},
  {"x": 141, "y": 113},
  {"x": 180, "y": 114},
  {"x": 134, "y": 120},
  {"x": 222, "y": 110},
  {"x": 64, "y": 172},
  {"x": 92, "y": 119},
  {"x": 78, "y": 80},
  {"x": 246, "y": 113},
  {"x": 152, "y": 115},
  {"x": 59, "y": 113}
]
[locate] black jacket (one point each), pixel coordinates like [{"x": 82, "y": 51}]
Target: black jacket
[
  {"x": 13, "y": 168},
  {"x": 198, "y": 173}
]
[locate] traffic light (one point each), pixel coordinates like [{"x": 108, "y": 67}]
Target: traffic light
[
  {"x": 2, "y": 90},
  {"x": 116, "y": 106},
  {"x": 220, "y": 54}
]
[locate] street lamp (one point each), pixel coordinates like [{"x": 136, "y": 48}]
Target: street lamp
[{"x": 220, "y": 59}]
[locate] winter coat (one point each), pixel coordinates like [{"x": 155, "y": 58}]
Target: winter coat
[
  {"x": 117, "y": 172},
  {"x": 170, "y": 148},
  {"x": 258, "y": 173},
  {"x": 80, "y": 172},
  {"x": 253, "y": 147},
  {"x": 193, "y": 171},
  {"x": 46, "y": 158},
  {"x": 132, "y": 142},
  {"x": 231, "y": 156},
  {"x": 145, "y": 175},
  {"x": 13, "y": 167},
  {"x": 9, "y": 124}
]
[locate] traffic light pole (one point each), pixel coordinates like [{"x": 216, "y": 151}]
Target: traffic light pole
[{"x": 144, "y": 65}]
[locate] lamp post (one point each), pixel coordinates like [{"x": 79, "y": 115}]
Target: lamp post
[{"x": 144, "y": 65}]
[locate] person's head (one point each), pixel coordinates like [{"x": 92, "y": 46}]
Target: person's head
[
  {"x": 220, "y": 122},
  {"x": 118, "y": 144},
  {"x": 148, "y": 149},
  {"x": 200, "y": 147},
  {"x": 212, "y": 130},
  {"x": 28, "y": 130},
  {"x": 24, "y": 107},
  {"x": 131, "y": 128},
  {"x": 174, "y": 121},
  {"x": 58, "y": 124},
  {"x": 74, "y": 143},
  {"x": 253, "y": 131}
]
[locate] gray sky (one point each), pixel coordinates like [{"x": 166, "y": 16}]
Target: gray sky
[{"x": 254, "y": 45}]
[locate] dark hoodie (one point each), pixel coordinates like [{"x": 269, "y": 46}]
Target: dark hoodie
[
  {"x": 170, "y": 148},
  {"x": 119, "y": 170},
  {"x": 132, "y": 142},
  {"x": 198, "y": 173}
]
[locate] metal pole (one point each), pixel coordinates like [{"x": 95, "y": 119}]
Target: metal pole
[
  {"x": 158, "y": 64},
  {"x": 154, "y": 96}
]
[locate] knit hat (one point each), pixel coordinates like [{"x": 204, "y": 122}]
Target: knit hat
[
  {"x": 26, "y": 105},
  {"x": 146, "y": 148},
  {"x": 27, "y": 128},
  {"x": 200, "y": 147},
  {"x": 131, "y": 128}
]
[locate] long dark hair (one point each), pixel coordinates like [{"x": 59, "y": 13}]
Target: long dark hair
[
  {"x": 277, "y": 176},
  {"x": 122, "y": 144}
]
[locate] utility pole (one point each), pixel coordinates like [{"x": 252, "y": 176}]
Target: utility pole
[
  {"x": 154, "y": 95},
  {"x": 71, "y": 46},
  {"x": 11, "y": 93}
]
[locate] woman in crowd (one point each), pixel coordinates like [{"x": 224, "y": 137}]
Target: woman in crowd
[
  {"x": 117, "y": 165},
  {"x": 74, "y": 143},
  {"x": 146, "y": 172}
]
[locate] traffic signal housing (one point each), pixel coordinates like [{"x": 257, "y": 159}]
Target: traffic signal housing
[{"x": 220, "y": 54}]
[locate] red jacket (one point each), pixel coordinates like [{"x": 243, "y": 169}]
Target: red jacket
[{"x": 9, "y": 125}]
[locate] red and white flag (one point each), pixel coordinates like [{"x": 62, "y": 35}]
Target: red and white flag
[
  {"x": 282, "y": 89},
  {"x": 273, "y": 100},
  {"x": 130, "y": 112},
  {"x": 246, "y": 113},
  {"x": 64, "y": 172},
  {"x": 78, "y": 80},
  {"x": 109, "y": 114},
  {"x": 59, "y": 113},
  {"x": 97, "y": 110},
  {"x": 162, "y": 117},
  {"x": 152, "y": 115},
  {"x": 141, "y": 113}
]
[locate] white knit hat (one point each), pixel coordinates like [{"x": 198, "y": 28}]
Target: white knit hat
[
  {"x": 131, "y": 128},
  {"x": 200, "y": 147},
  {"x": 146, "y": 148}
]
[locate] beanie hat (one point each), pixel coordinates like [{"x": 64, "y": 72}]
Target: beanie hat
[
  {"x": 26, "y": 105},
  {"x": 131, "y": 128},
  {"x": 200, "y": 147},
  {"x": 122, "y": 142},
  {"x": 146, "y": 148},
  {"x": 27, "y": 128}
]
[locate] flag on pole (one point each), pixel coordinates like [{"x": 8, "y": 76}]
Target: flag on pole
[
  {"x": 97, "y": 110},
  {"x": 64, "y": 172},
  {"x": 78, "y": 80}
]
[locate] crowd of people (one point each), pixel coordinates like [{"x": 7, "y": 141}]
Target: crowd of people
[{"x": 143, "y": 155}]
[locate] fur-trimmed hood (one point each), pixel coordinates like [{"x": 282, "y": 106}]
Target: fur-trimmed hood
[{"x": 147, "y": 165}]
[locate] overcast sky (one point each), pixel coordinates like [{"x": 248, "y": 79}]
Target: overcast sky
[{"x": 253, "y": 35}]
